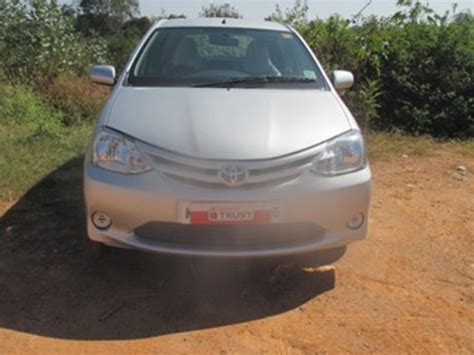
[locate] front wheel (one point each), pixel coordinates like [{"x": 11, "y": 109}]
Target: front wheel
[{"x": 321, "y": 257}]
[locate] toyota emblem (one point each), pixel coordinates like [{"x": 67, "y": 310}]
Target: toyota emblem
[{"x": 233, "y": 175}]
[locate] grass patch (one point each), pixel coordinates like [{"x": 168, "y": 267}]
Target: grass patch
[
  {"x": 25, "y": 158},
  {"x": 465, "y": 148},
  {"x": 77, "y": 98},
  {"x": 382, "y": 146},
  {"x": 385, "y": 146}
]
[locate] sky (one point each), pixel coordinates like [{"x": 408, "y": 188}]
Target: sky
[{"x": 259, "y": 9}]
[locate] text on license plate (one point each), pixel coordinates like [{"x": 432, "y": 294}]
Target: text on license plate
[{"x": 229, "y": 213}]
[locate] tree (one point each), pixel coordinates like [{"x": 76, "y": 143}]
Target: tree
[
  {"x": 295, "y": 16},
  {"x": 121, "y": 44},
  {"x": 221, "y": 10},
  {"x": 105, "y": 17},
  {"x": 121, "y": 9},
  {"x": 137, "y": 26},
  {"x": 38, "y": 42},
  {"x": 164, "y": 15},
  {"x": 175, "y": 16}
]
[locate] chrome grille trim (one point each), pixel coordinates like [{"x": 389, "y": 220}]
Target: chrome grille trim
[
  {"x": 204, "y": 172},
  {"x": 246, "y": 186}
]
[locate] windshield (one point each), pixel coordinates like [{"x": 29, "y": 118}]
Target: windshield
[{"x": 199, "y": 56}]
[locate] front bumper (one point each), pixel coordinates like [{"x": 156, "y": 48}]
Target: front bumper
[{"x": 322, "y": 204}]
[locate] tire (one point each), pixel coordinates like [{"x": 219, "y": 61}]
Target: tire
[{"x": 322, "y": 257}]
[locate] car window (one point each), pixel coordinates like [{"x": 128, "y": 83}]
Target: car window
[{"x": 190, "y": 56}]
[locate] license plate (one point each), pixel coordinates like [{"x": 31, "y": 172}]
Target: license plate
[{"x": 229, "y": 212}]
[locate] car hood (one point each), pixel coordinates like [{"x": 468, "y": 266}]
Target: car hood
[{"x": 235, "y": 124}]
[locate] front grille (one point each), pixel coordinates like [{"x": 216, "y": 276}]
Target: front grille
[
  {"x": 239, "y": 237},
  {"x": 247, "y": 186},
  {"x": 204, "y": 172},
  {"x": 288, "y": 166}
]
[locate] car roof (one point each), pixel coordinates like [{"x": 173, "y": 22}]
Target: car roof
[{"x": 222, "y": 22}]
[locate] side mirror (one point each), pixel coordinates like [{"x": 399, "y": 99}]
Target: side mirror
[
  {"x": 342, "y": 79},
  {"x": 103, "y": 74}
]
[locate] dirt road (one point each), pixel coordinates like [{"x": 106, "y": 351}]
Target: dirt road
[{"x": 408, "y": 287}]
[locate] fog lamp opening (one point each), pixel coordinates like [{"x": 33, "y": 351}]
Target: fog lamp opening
[
  {"x": 101, "y": 220},
  {"x": 355, "y": 221}
]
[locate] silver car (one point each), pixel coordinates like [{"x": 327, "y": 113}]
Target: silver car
[{"x": 225, "y": 138}]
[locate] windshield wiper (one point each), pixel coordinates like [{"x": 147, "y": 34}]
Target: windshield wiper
[
  {"x": 233, "y": 81},
  {"x": 255, "y": 80},
  {"x": 290, "y": 79}
]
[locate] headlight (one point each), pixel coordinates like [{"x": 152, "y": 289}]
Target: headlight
[
  {"x": 341, "y": 155},
  {"x": 114, "y": 152}
]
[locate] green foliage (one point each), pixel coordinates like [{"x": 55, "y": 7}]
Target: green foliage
[
  {"x": 334, "y": 43},
  {"x": 38, "y": 42},
  {"x": 121, "y": 9},
  {"x": 427, "y": 76},
  {"x": 364, "y": 103},
  {"x": 91, "y": 25},
  {"x": 295, "y": 16},
  {"x": 125, "y": 39},
  {"x": 20, "y": 105},
  {"x": 222, "y": 10},
  {"x": 109, "y": 17},
  {"x": 422, "y": 64}
]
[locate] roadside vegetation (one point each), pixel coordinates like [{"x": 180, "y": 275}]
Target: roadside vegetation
[
  {"x": 395, "y": 145},
  {"x": 414, "y": 91}
]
